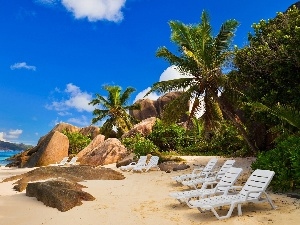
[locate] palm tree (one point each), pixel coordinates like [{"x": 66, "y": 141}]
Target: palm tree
[
  {"x": 201, "y": 59},
  {"x": 114, "y": 108}
]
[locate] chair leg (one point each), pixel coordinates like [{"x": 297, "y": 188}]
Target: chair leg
[
  {"x": 270, "y": 201},
  {"x": 232, "y": 206}
]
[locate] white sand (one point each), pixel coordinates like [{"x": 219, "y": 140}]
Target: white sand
[{"x": 141, "y": 198}]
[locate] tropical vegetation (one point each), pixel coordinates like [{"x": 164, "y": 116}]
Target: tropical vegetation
[
  {"x": 114, "y": 110},
  {"x": 235, "y": 89}
]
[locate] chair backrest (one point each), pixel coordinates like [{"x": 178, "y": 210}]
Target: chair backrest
[
  {"x": 152, "y": 162},
  {"x": 210, "y": 165},
  {"x": 258, "y": 181},
  {"x": 228, "y": 179},
  {"x": 228, "y": 164},
  {"x": 142, "y": 161},
  {"x": 73, "y": 160},
  {"x": 63, "y": 161}
]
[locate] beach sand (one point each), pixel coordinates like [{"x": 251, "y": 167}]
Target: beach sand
[{"x": 141, "y": 198}]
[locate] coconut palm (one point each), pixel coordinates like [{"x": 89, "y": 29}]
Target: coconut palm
[
  {"x": 114, "y": 108},
  {"x": 201, "y": 59}
]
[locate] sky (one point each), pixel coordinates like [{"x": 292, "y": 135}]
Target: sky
[{"x": 55, "y": 55}]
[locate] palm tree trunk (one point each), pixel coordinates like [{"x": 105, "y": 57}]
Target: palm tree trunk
[{"x": 237, "y": 123}]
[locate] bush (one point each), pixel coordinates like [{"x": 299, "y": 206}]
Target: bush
[
  {"x": 284, "y": 161},
  {"x": 226, "y": 141},
  {"x": 77, "y": 141},
  {"x": 140, "y": 145},
  {"x": 168, "y": 137}
]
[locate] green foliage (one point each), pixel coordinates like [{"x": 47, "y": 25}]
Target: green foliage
[
  {"x": 77, "y": 141},
  {"x": 225, "y": 141},
  {"x": 269, "y": 66},
  {"x": 114, "y": 109},
  {"x": 168, "y": 137},
  {"x": 284, "y": 161},
  {"x": 139, "y": 145},
  {"x": 145, "y": 147}
]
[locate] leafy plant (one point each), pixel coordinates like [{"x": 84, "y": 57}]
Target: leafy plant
[
  {"x": 77, "y": 141},
  {"x": 284, "y": 161},
  {"x": 114, "y": 109},
  {"x": 145, "y": 147},
  {"x": 168, "y": 137},
  {"x": 139, "y": 145}
]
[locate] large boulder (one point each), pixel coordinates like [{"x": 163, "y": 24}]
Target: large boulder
[
  {"x": 90, "y": 131},
  {"x": 109, "y": 151},
  {"x": 60, "y": 194},
  {"x": 51, "y": 149},
  {"x": 98, "y": 140},
  {"x": 144, "y": 128},
  {"x": 151, "y": 108},
  {"x": 147, "y": 109}
]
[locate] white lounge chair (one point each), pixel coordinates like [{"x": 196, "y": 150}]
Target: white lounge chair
[
  {"x": 61, "y": 163},
  {"x": 141, "y": 162},
  {"x": 153, "y": 163},
  {"x": 211, "y": 176},
  {"x": 228, "y": 179},
  {"x": 197, "y": 172},
  {"x": 252, "y": 191},
  {"x": 73, "y": 161}
]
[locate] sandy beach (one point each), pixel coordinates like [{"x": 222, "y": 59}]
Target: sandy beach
[{"x": 141, "y": 198}]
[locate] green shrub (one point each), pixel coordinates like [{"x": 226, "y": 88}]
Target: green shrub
[
  {"x": 226, "y": 141},
  {"x": 77, "y": 141},
  {"x": 145, "y": 147},
  {"x": 168, "y": 137},
  {"x": 284, "y": 160},
  {"x": 139, "y": 145}
]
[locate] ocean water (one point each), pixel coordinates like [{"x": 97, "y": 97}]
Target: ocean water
[{"x": 4, "y": 154}]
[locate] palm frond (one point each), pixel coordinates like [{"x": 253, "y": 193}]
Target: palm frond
[
  {"x": 171, "y": 85},
  {"x": 225, "y": 34},
  {"x": 285, "y": 113},
  {"x": 126, "y": 94}
]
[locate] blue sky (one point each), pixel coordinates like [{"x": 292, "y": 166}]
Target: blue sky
[{"x": 55, "y": 55}]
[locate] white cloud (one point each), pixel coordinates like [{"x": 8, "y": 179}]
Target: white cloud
[
  {"x": 22, "y": 65},
  {"x": 81, "y": 121},
  {"x": 10, "y": 135},
  {"x": 95, "y": 10},
  {"x": 76, "y": 99},
  {"x": 152, "y": 96},
  {"x": 2, "y": 136},
  {"x": 170, "y": 73}
]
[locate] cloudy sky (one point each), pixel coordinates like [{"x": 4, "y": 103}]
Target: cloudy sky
[{"x": 55, "y": 55}]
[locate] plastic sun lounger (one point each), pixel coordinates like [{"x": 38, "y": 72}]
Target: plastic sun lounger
[
  {"x": 211, "y": 177},
  {"x": 197, "y": 172},
  {"x": 141, "y": 162},
  {"x": 153, "y": 163},
  {"x": 61, "y": 163},
  {"x": 73, "y": 161},
  {"x": 252, "y": 191},
  {"x": 228, "y": 179}
]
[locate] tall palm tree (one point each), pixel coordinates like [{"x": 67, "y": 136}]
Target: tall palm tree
[
  {"x": 201, "y": 59},
  {"x": 114, "y": 108}
]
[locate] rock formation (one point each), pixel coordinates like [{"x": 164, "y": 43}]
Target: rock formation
[
  {"x": 71, "y": 173},
  {"x": 63, "y": 195},
  {"x": 51, "y": 149},
  {"x": 109, "y": 151},
  {"x": 99, "y": 139},
  {"x": 150, "y": 108},
  {"x": 144, "y": 128},
  {"x": 61, "y": 189}
]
